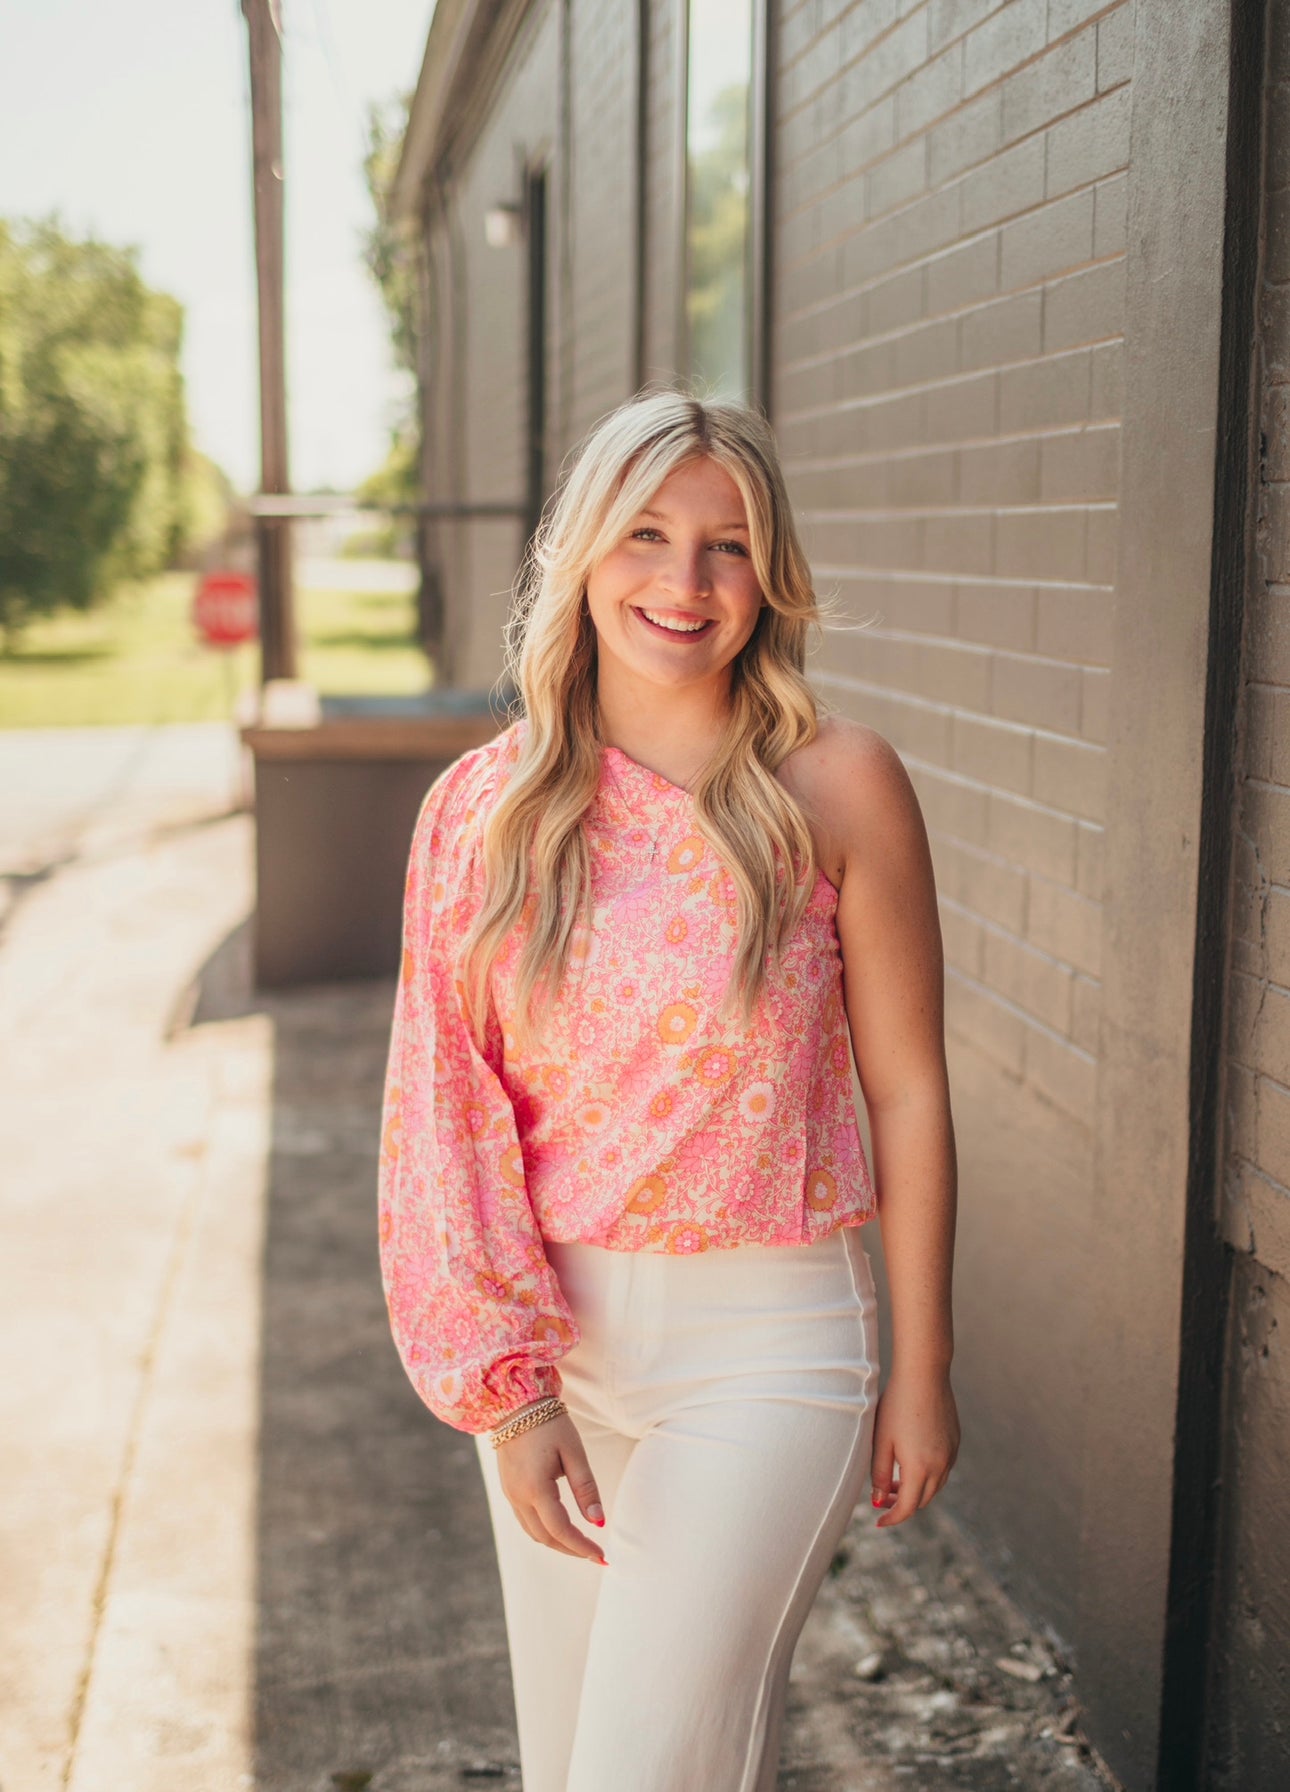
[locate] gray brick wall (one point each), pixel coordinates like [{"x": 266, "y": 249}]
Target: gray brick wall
[{"x": 948, "y": 315}]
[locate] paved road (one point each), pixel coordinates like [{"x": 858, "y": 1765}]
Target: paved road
[
  {"x": 234, "y": 1550},
  {"x": 74, "y": 791}
]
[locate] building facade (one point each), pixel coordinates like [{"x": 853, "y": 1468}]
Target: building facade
[{"x": 1013, "y": 283}]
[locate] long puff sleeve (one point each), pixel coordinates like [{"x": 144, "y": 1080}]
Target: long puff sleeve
[{"x": 477, "y": 1314}]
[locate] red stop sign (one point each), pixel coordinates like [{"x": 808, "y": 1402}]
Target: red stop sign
[{"x": 226, "y": 609}]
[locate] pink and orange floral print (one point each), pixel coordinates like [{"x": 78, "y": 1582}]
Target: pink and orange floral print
[{"x": 639, "y": 1123}]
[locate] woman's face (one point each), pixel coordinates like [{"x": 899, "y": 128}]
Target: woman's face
[{"x": 682, "y": 560}]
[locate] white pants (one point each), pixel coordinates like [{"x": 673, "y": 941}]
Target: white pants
[{"x": 726, "y": 1404}]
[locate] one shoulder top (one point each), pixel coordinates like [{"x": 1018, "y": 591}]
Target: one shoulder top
[{"x": 637, "y": 1122}]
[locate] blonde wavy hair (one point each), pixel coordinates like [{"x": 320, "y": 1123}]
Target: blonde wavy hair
[{"x": 752, "y": 824}]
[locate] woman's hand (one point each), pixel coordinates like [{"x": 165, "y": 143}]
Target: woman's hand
[
  {"x": 917, "y": 1426},
  {"x": 530, "y": 1466}
]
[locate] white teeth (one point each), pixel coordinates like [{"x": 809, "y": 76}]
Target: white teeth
[{"x": 681, "y": 628}]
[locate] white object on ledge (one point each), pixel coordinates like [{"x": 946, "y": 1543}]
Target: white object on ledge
[{"x": 280, "y": 703}]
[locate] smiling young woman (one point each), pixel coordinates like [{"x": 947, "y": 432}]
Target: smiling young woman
[
  {"x": 622, "y": 1184},
  {"x": 681, "y": 586}
]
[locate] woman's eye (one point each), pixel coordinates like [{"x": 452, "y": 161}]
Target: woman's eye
[{"x": 650, "y": 534}]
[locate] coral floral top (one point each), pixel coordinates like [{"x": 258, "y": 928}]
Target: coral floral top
[{"x": 639, "y": 1123}]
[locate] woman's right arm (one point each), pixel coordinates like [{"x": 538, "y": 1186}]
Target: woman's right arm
[
  {"x": 476, "y": 1312},
  {"x": 477, "y": 1315}
]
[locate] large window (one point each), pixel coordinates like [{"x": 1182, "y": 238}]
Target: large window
[{"x": 722, "y": 210}]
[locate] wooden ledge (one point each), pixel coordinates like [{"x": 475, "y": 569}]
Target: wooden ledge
[{"x": 373, "y": 737}]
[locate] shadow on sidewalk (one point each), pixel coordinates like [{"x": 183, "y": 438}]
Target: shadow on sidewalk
[{"x": 380, "y": 1655}]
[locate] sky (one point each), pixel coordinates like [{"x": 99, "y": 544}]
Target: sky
[{"x": 131, "y": 120}]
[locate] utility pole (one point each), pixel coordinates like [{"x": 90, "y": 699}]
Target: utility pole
[{"x": 277, "y": 602}]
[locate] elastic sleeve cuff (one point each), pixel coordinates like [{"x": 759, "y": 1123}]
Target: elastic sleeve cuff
[{"x": 536, "y": 1381}]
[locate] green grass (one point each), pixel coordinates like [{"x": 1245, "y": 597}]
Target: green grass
[{"x": 138, "y": 659}]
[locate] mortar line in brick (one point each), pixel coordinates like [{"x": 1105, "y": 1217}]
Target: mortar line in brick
[
  {"x": 901, "y": 699},
  {"x": 899, "y": 332},
  {"x": 949, "y": 775},
  {"x": 912, "y": 637},
  {"x": 1045, "y": 203},
  {"x": 845, "y": 294},
  {"x": 1094, "y": 19},
  {"x": 1048, "y": 659},
  {"x": 871, "y": 400},
  {"x": 806, "y": 46},
  {"x": 855, "y": 513},
  {"x": 843, "y": 463},
  {"x": 1024, "y": 1014},
  {"x": 843, "y": 68},
  {"x": 1252, "y": 1164},
  {"x": 897, "y": 697},
  {"x": 934, "y": 576},
  {"x": 960, "y": 175},
  {"x": 996, "y": 928},
  {"x": 809, "y": 98}
]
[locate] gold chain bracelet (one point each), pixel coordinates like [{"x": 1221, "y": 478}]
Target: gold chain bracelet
[{"x": 550, "y": 1408}]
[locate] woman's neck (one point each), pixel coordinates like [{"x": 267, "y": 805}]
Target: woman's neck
[{"x": 674, "y": 738}]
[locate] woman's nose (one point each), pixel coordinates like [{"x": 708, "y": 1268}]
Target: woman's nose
[{"x": 686, "y": 573}]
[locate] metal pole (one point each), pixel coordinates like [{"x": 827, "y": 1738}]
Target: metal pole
[{"x": 277, "y": 606}]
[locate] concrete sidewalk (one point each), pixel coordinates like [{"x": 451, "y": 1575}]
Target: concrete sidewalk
[{"x": 237, "y": 1552}]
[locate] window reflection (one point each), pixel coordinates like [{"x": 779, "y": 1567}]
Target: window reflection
[{"x": 717, "y": 296}]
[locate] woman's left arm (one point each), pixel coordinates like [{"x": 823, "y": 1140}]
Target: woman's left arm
[{"x": 893, "y": 986}]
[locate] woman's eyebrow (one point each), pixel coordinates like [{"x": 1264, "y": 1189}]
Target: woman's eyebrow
[{"x": 663, "y": 517}]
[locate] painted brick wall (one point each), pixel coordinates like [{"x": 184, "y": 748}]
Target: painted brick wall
[
  {"x": 1249, "y": 1713},
  {"x": 947, "y": 314},
  {"x": 477, "y": 405},
  {"x": 1257, "y": 1192},
  {"x": 948, "y": 300}
]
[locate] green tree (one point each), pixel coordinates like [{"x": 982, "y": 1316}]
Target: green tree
[
  {"x": 389, "y": 258},
  {"x": 93, "y": 431},
  {"x": 717, "y": 295}
]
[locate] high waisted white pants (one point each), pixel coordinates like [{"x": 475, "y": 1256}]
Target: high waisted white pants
[{"x": 726, "y": 1403}]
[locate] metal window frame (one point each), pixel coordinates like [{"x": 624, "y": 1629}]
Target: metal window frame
[
  {"x": 759, "y": 179},
  {"x": 537, "y": 333},
  {"x": 640, "y": 196}
]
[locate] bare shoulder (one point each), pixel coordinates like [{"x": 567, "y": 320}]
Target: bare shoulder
[
  {"x": 854, "y": 788},
  {"x": 843, "y": 752}
]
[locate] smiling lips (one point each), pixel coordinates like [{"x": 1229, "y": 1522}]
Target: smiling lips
[{"x": 675, "y": 627}]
